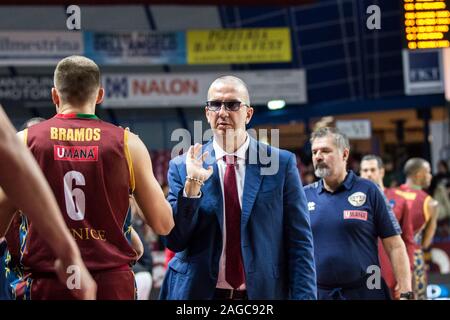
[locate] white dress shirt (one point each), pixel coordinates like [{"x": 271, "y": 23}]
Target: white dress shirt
[{"x": 241, "y": 154}]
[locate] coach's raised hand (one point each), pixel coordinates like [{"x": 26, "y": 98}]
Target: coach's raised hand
[{"x": 196, "y": 173}]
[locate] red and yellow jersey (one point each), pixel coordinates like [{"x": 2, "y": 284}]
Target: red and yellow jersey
[
  {"x": 88, "y": 166},
  {"x": 417, "y": 201},
  {"x": 400, "y": 207}
]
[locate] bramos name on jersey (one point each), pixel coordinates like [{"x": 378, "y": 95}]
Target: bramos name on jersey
[{"x": 75, "y": 134}]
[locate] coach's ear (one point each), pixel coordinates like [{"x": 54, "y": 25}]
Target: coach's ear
[
  {"x": 345, "y": 154},
  {"x": 100, "y": 96},
  {"x": 55, "y": 98}
]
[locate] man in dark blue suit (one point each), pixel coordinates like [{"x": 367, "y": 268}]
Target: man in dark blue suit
[{"x": 242, "y": 228}]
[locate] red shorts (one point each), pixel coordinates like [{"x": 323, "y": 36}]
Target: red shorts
[{"x": 111, "y": 285}]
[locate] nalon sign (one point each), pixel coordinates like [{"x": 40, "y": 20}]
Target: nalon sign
[
  {"x": 164, "y": 87},
  {"x": 190, "y": 89},
  {"x": 154, "y": 90}
]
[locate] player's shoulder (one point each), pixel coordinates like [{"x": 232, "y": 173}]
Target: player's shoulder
[
  {"x": 396, "y": 194},
  {"x": 423, "y": 193},
  {"x": 406, "y": 194},
  {"x": 110, "y": 126}
]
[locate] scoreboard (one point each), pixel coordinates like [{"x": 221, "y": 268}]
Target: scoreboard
[{"x": 426, "y": 24}]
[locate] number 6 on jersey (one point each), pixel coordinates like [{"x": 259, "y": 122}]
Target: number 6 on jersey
[{"x": 75, "y": 209}]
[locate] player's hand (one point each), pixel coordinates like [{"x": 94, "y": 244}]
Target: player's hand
[
  {"x": 77, "y": 279},
  {"x": 397, "y": 292}
]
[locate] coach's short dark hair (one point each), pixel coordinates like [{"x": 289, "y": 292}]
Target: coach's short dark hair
[
  {"x": 373, "y": 157},
  {"x": 413, "y": 165},
  {"x": 77, "y": 79},
  {"x": 340, "y": 139}
]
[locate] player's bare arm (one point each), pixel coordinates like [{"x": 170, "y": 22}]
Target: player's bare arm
[
  {"x": 7, "y": 208},
  {"x": 396, "y": 250},
  {"x": 431, "y": 225},
  {"x": 7, "y": 211},
  {"x": 148, "y": 193}
]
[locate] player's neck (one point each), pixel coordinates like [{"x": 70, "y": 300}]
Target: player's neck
[
  {"x": 412, "y": 185},
  {"x": 67, "y": 109}
]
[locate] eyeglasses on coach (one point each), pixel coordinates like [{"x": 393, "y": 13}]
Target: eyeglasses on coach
[{"x": 215, "y": 105}]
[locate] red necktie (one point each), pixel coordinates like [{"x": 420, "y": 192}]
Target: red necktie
[{"x": 234, "y": 269}]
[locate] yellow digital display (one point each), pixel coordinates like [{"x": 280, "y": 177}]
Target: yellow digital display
[{"x": 426, "y": 24}]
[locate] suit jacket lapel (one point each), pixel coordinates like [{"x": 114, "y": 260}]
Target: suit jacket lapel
[
  {"x": 212, "y": 190},
  {"x": 252, "y": 182}
]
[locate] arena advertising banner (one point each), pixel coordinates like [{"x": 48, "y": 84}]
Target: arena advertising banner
[
  {"x": 222, "y": 46},
  {"x": 138, "y": 48},
  {"x": 190, "y": 89},
  {"x": 355, "y": 129},
  {"x": 38, "y": 48},
  {"x": 28, "y": 91},
  {"x": 160, "y": 90},
  {"x": 423, "y": 72},
  {"x": 252, "y": 45}
]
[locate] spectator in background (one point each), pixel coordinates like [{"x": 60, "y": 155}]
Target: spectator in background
[
  {"x": 443, "y": 169},
  {"x": 354, "y": 162},
  {"x": 308, "y": 178},
  {"x": 439, "y": 191},
  {"x": 391, "y": 178}
]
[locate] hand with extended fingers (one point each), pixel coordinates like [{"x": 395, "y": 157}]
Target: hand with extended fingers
[{"x": 196, "y": 174}]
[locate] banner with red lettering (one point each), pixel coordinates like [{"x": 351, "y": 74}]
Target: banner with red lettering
[
  {"x": 161, "y": 90},
  {"x": 190, "y": 89}
]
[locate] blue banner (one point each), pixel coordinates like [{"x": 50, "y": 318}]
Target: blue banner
[{"x": 135, "y": 48}]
